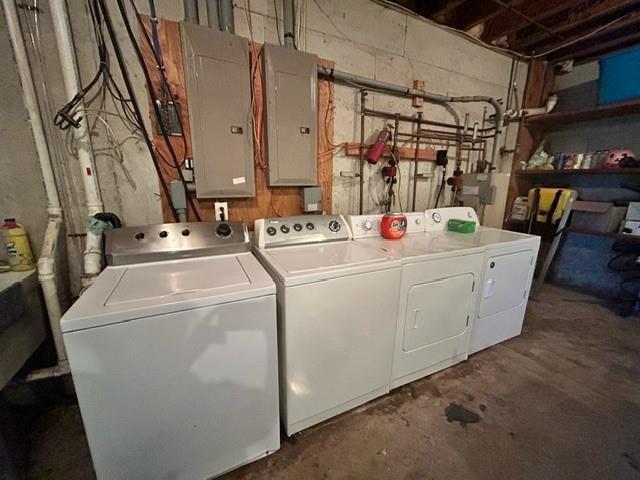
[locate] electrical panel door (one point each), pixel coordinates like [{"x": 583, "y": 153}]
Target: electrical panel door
[
  {"x": 506, "y": 281},
  {"x": 217, "y": 67},
  {"x": 291, "y": 89}
]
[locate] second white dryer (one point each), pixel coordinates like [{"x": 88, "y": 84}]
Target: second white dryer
[{"x": 437, "y": 296}]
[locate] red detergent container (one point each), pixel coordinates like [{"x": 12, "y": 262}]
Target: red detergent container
[{"x": 393, "y": 226}]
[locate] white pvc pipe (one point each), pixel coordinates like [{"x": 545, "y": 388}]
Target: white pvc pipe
[
  {"x": 47, "y": 277},
  {"x": 31, "y": 104},
  {"x": 71, "y": 78},
  {"x": 46, "y": 261}
]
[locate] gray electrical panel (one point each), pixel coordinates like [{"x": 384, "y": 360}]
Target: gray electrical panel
[
  {"x": 217, "y": 66},
  {"x": 291, "y": 115}
]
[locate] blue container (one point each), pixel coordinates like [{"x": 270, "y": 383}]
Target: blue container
[{"x": 620, "y": 76}]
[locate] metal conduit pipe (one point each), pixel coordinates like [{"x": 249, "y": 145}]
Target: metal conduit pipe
[
  {"x": 225, "y": 13},
  {"x": 191, "y": 11},
  {"x": 289, "y": 25},
  {"x": 213, "y": 14},
  {"x": 359, "y": 81}
]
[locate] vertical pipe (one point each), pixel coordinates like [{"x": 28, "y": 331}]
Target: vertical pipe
[
  {"x": 31, "y": 104},
  {"x": 289, "y": 24},
  {"x": 213, "y": 14},
  {"x": 363, "y": 96},
  {"x": 394, "y": 149},
  {"x": 225, "y": 13},
  {"x": 191, "y": 11},
  {"x": 47, "y": 260},
  {"x": 71, "y": 79},
  {"x": 415, "y": 164}
]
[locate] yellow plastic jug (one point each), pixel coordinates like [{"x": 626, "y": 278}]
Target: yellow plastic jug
[{"x": 16, "y": 242}]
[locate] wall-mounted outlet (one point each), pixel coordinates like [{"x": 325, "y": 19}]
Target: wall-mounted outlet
[{"x": 222, "y": 211}]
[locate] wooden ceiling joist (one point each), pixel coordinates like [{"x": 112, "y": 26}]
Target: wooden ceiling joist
[
  {"x": 575, "y": 18},
  {"x": 575, "y": 43},
  {"x": 507, "y": 23},
  {"x": 557, "y": 29},
  {"x": 600, "y": 48}
]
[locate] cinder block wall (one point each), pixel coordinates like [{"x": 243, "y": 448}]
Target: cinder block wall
[{"x": 360, "y": 36}]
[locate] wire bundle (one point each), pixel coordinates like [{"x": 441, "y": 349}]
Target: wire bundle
[{"x": 67, "y": 115}]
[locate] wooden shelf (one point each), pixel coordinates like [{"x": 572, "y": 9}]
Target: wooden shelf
[
  {"x": 628, "y": 107},
  {"x": 586, "y": 171}
]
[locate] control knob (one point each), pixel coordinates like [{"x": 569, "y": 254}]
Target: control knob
[
  {"x": 367, "y": 225},
  {"x": 223, "y": 230},
  {"x": 334, "y": 226},
  {"x": 284, "y": 229},
  {"x": 271, "y": 231}
]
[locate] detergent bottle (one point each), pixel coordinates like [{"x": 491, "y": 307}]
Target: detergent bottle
[{"x": 16, "y": 241}]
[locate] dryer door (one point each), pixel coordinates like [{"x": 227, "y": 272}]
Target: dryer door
[
  {"x": 506, "y": 281},
  {"x": 436, "y": 312}
]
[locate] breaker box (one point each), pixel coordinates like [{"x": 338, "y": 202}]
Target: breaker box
[
  {"x": 217, "y": 73},
  {"x": 291, "y": 116}
]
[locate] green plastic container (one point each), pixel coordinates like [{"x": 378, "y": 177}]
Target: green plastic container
[{"x": 461, "y": 226}]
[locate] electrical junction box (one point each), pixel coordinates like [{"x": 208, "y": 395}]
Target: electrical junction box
[
  {"x": 217, "y": 74},
  {"x": 291, "y": 116},
  {"x": 477, "y": 189},
  {"x": 312, "y": 197}
]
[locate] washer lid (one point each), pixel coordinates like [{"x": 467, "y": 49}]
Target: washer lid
[
  {"x": 125, "y": 293},
  {"x": 309, "y": 263}
]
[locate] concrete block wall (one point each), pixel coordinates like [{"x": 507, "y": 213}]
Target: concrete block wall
[
  {"x": 370, "y": 39},
  {"x": 360, "y": 36}
]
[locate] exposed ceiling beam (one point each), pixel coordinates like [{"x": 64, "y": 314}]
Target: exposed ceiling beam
[
  {"x": 466, "y": 17},
  {"x": 575, "y": 19},
  {"x": 599, "y": 48},
  {"x": 442, "y": 11},
  {"x": 632, "y": 18},
  {"x": 506, "y": 23}
]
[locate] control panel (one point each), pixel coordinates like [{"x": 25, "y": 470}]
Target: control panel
[
  {"x": 364, "y": 226},
  {"x": 438, "y": 218},
  {"x": 273, "y": 232},
  {"x": 170, "y": 241}
]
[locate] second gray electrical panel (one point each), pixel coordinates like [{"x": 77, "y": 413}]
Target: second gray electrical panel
[
  {"x": 216, "y": 66},
  {"x": 291, "y": 116}
]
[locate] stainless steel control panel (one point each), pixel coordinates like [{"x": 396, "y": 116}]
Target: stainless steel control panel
[
  {"x": 170, "y": 241},
  {"x": 273, "y": 232}
]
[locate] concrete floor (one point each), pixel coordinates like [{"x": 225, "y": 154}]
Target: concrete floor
[{"x": 561, "y": 401}]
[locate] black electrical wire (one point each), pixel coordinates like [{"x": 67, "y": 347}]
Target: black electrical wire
[
  {"x": 625, "y": 262},
  {"x": 154, "y": 43},
  {"x": 154, "y": 98},
  {"x": 441, "y": 189},
  {"x": 134, "y": 103}
]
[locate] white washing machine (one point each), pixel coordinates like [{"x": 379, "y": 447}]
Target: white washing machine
[
  {"x": 508, "y": 268},
  {"x": 173, "y": 353},
  {"x": 337, "y": 302},
  {"x": 437, "y": 295}
]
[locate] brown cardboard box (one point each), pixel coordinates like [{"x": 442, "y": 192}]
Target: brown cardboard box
[{"x": 597, "y": 216}]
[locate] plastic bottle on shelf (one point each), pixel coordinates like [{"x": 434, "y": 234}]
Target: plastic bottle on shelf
[{"x": 16, "y": 242}]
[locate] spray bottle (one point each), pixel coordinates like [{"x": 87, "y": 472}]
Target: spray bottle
[{"x": 16, "y": 242}]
